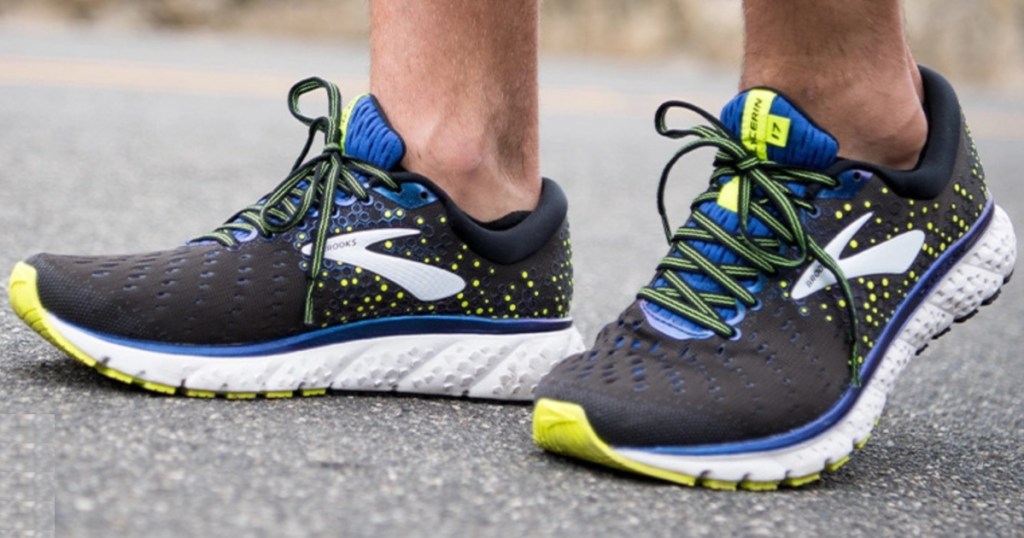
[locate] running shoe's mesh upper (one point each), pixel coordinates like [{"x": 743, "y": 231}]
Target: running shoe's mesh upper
[
  {"x": 198, "y": 294},
  {"x": 254, "y": 288},
  {"x": 788, "y": 363}
]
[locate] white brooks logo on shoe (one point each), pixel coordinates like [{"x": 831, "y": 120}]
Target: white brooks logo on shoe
[
  {"x": 891, "y": 257},
  {"x": 425, "y": 282}
]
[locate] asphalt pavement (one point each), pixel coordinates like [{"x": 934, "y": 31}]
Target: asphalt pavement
[{"x": 114, "y": 141}]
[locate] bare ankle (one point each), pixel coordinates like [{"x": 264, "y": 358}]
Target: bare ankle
[
  {"x": 458, "y": 80},
  {"x": 892, "y": 137},
  {"x": 475, "y": 174}
]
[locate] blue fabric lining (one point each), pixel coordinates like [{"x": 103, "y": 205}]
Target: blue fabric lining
[{"x": 369, "y": 137}]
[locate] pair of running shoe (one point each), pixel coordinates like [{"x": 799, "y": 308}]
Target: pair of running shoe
[{"x": 760, "y": 353}]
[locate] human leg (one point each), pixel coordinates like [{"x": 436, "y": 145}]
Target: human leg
[
  {"x": 458, "y": 79},
  {"x": 848, "y": 65}
]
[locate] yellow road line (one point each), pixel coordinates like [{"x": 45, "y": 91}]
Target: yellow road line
[
  {"x": 986, "y": 122},
  {"x": 166, "y": 78},
  {"x": 149, "y": 77}
]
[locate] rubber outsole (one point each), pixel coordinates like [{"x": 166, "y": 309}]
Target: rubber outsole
[{"x": 563, "y": 428}]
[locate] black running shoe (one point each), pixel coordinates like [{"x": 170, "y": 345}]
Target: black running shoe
[
  {"x": 763, "y": 350},
  {"x": 350, "y": 275}
]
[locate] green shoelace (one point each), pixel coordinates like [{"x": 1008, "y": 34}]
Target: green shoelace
[
  {"x": 312, "y": 182},
  {"x": 764, "y": 192}
]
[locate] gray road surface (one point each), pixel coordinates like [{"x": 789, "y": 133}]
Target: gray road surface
[{"x": 115, "y": 142}]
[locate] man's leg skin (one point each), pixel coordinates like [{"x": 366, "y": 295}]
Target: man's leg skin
[
  {"x": 458, "y": 79},
  {"x": 848, "y": 65}
]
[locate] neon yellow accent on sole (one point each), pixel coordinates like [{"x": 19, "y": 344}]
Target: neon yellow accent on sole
[
  {"x": 24, "y": 296},
  {"x": 723, "y": 485},
  {"x": 562, "y": 427},
  {"x": 860, "y": 444},
  {"x": 834, "y": 466},
  {"x": 158, "y": 387},
  {"x": 798, "y": 481},
  {"x": 752, "y": 485},
  {"x": 115, "y": 374}
]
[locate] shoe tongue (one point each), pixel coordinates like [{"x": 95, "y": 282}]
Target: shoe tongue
[
  {"x": 367, "y": 135},
  {"x": 774, "y": 129}
]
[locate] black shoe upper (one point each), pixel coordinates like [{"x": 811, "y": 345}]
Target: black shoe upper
[
  {"x": 348, "y": 236},
  {"x": 788, "y": 363},
  {"x": 208, "y": 293}
]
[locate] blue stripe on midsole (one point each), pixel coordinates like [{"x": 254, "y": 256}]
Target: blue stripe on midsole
[
  {"x": 929, "y": 280},
  {"x": 349, "y": 332}
]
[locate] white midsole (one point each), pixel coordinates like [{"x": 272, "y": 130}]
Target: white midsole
[
  {"x": 506, "y": 366},
  {"x": 976, "y": 277}
]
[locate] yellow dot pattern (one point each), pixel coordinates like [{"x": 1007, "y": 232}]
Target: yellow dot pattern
[
  {"x": 943, "y": 221},
  {"x": 538, "y": 287}
]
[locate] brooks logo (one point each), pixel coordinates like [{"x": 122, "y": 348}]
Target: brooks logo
[
  {"x": 425, "y": 282},
  {"x": 891, "y": 257}
]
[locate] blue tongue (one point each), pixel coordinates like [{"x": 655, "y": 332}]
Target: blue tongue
[
  {"x": 773, "y": 129},
  {"x": 367, "y": 135}
]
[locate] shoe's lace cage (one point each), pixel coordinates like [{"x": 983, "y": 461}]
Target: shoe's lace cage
[
  {"x": 769, "y": 193},
  {"x": 312, "y": 182}
]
